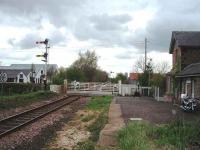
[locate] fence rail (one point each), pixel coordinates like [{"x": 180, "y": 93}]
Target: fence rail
[{"x": 93, "y": 86}]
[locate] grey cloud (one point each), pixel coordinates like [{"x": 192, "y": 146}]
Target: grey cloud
[
  {"x": 57, "y": 38},
  {"x": 169, "y": 18},
  {"x": 124, "y": 56},
  {"x": 34, "y": 10},
  {"x": 103, "y": 22},
  {"x": 129, "y": 54},
  {"x": 29, "y": 40},
  {"x": 105, "y": 30},
  {"x": 13, "y": 55},
  {"x": 106, "y": 22}
]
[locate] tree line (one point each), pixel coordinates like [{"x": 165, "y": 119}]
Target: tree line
[{"x": 85, "y": 69}]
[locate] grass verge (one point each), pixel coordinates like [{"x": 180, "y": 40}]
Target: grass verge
[
  {"x": 100, "y": 107},
  {"x": 143, "y": 136},
  {"x": 7, "y": 102}
]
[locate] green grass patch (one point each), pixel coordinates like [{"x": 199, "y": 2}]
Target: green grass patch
[
  {"x": 142, "y": 136},
  {"x": 7, "y": 102},
  {"x": 179, "y": 134},
  {"x": 97, "y": 126},
  {"x": 99, "y": 103},
  {"x": 134, "y": 137}
]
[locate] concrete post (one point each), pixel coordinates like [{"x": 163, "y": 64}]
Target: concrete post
[
  {"x": 65, "y": 86},
  {"x": 120, "y": 87},
  {"x": 158, "y": 94}
]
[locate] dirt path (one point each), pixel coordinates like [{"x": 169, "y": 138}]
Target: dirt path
[{"x": 152, "y": 111}]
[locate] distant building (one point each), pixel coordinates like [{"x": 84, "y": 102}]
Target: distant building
[
  {"x": 133, "y": 78},
  {"x": 26, "y": 73},
  {"x": 17, "y": 76},
  {"x": 185, "y": 50}
]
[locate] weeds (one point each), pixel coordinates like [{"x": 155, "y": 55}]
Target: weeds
[
  {"x": 87, "y": 118},
  {"x": 100, "y": 105},
  {"x": 86, "y": 145},
  {"x": 17, "y": 100},
  {"x": 142, "y": 136},
  {"x": 97, "y": 126},
  {"x": 134, "y": 137}
]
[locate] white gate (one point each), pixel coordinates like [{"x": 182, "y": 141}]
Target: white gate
[{"x": 93, "y": 88}]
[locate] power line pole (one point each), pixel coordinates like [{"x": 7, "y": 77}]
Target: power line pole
[{"x": 145, "y": 53}]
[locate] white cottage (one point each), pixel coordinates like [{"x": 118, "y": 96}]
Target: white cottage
[{"x": 26, "y": 72}]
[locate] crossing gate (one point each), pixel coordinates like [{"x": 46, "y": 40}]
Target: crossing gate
[{"x": 94, "y": 88}]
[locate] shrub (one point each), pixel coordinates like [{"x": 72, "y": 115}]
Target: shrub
[{"x": 18, "y": 88}]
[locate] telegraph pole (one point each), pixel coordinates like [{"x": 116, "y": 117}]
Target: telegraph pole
[{"x": 145, "y": 53}]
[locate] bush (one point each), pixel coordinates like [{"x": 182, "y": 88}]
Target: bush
[{"x": 18, "y": 88}]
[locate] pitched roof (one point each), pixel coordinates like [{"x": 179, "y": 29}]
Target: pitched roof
[
  {"x": 133, "y": 76},
  {"x": 12, "y": 73},
  {"x": 29, "y": 66},
  {"x": 190, "y": 70},
  {"x": 184, "y": 38}
]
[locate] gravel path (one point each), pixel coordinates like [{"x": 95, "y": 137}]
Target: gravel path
[{"x": 152, "y": 111}]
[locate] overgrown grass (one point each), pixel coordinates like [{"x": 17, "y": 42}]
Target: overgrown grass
[
  {"x": 7, "y": 102},
  {"x": 86, "y": 145},
  {"x": 134, "y": 137},
  {"x": 97, "y": 126},
  {"x": 142, "y": 136},
  {"x": 100, "y": 105}
]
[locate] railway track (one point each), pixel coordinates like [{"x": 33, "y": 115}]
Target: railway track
[{"x": 15, "y": 122}]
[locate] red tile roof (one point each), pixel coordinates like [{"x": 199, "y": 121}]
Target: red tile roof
[{"x": 133, "y": 76}]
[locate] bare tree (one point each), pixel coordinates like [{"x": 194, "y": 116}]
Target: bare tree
[
  {"x": 162, "y": 67},
  {"x": 139, "y": 65}
]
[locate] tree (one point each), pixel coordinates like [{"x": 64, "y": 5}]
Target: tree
[
  {"x": 162, "y": 67},
  {"x": 120, "y": 76},
  {"x": 75, "y": 74},
  {"x": 139, "y": 65},
  {"x": 100, "y": 76},
  {"x": 87, "y": 62},
  {"x": 145, "y": 77},
  {"x": 59, "y": 77}
]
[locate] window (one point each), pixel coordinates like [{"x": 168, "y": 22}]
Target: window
[
  {"x": 42, "y": 72},
  {"x": 11, "y": 80},
  {"x": 21, "y": 80},
  {"x": 21, "y": 76}
]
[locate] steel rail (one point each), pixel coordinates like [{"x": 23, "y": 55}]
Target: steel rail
[{"x": 15, "y": 122}]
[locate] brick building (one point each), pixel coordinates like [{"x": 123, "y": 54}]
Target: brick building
[{"x": 185, "y": 50}]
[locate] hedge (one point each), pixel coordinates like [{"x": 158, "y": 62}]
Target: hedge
[{"x": 18, "y": 88}]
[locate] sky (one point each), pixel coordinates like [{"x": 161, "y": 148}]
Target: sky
[{"x": 115, "y": 29}]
